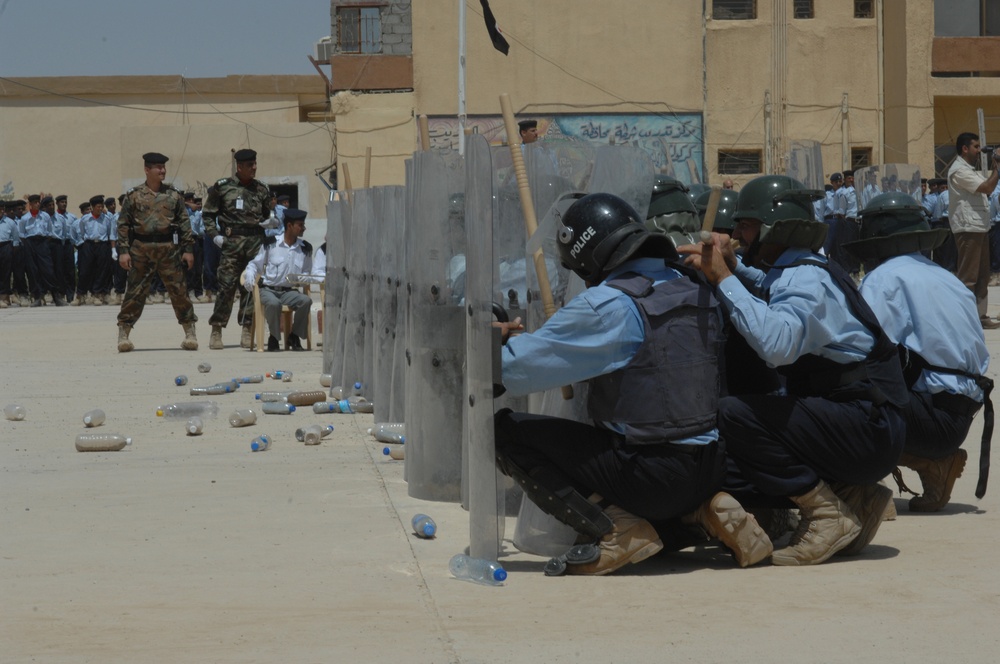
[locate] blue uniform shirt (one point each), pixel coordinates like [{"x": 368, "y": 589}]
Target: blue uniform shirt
[
  {"x": 39, "y": 225},
  {"x": 197, "y": 223},
  {"x": 943, "y": 329},
  {"x": 847, "y": 202},
  {"x": 91, "y": 228},
  {"x": 928, "y": 201},
  {"x": 8, "y": 231}
]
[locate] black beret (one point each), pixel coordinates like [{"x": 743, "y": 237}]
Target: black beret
[
  {"x": 246, "y": 154},
  {"x": 47, "y": 200},
  {"x": 284, "y": 197},
  {"x": 848, "y": 171},
  {"x": 109, "y": 201},
  {"x": 834, "y": 177},
  {"x": 34, "y": 198},
  {"x": 97, "y": 200},
  {"x": 62, "y": 197},
  {"x": 154, "y": 158},
  {"x": 197, "y": 199},
  {"x": 291, "y": 214},
  {"x": 188, "y": 195},
  {"x": 525, "y": 125},
  {"x": 84, "y": 206}
]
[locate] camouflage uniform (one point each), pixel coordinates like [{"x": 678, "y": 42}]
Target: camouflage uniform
[
  {"x": 240, "y": 224},
  {"x": 147, "y": 225}
]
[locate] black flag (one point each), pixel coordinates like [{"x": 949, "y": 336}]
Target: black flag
[{"x": 499, "y": 43}]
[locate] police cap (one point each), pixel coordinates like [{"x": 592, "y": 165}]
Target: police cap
[
  {"x": 291, "y": 214},
  {"x": 151, "y": 158},
  {"x": 525, "y": 125},
  {"x": 34, "y": 198},
  {"x": 47, "y": 200},
  {"x": 836, "y": 177},
  {"x": 62, "y": 197},
  {"x": 284, "y": 198},
  {"x": 97, "y": 200},
  {"x": 246, "y": 154}
]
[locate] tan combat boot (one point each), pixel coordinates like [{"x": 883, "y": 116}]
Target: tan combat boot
[
  {"x": 869, "y": 503},
  {"x": 215, "y": 341},
  {"x": 827, "y": 526},
  {"x": 938, "y": 478},
  {"x": 124, "y": 345},
  {"x": 724, "y": 518},
  {"x": 246, "y": 336},
  {"x": 4, "y": 301},
  {"x": 190, "y": 340},
  {"x": 631, "y": 540}
]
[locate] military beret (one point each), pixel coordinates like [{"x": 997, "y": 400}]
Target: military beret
[
  {"x": 188, "y": 195},
  {"x": 97, "y": 200},
  {"x": 291, "y": 214},
  {"x": 47, "y": 200},
  {"x": 836, "y": 177},
  {"x": 284, "y": 197},
  {"x": 121, "y": 198},
  {"x": 154, "y": 158},
  {"x": 84, "y": 206},
  {"x": 246, "y": 154},
  {"x": 848, "y": 171},
  {"x": 34, "y": 198},
  {"x": 109, "y": 201},
  {"x": 62, "y": 197},
  {"x": 525, "y": 125}
]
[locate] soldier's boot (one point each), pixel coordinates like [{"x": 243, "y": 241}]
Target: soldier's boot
[
  {"x": 631, "y": 540},
  {"x": 77, "y": 301},
  {"x": 827, "y": 525},
  {"x": 868, "y": 502},
  {"x": 4, "y": 301},
  {"x": 95, "y": 299},
  {"x": 105, "y": 298},
  {"x": 58, "y": 300},
  {"x": 116, "y": 298},
  {"x": 246, "y": 336},
  {"x": 124, "y": 345},
  {"x": 215, "y": 341},
  {"x": 209, "y": 296},
  {"x": 938, "y": 478},
  {"x": 190, "y": 340},
  {"x": 724, "y": 518}
]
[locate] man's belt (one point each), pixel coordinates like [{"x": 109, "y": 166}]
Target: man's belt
[
  {"x": 5, "y": 243},
  {"x": 157, "y": 237},
  {"x": 280, "y": 289},
  {"x": 956, "y": 404},
  {"x": 242, "y": 230}
]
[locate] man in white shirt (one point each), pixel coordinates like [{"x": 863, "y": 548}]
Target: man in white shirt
[
  {"x": 278, "y": 259},
  {"x": 968, "y": 215}
]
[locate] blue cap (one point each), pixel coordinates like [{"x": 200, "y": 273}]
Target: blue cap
[
  {"x": 257, "y": 396},
  {"x": 357, "y": 386},
  {"x": 429, "y": 529},
  {"x": 500, "y": 574},
  {"x": 385, "y": 451},
  {"x": 291, "y": 408},
  {"x": 402, "y": 440}
]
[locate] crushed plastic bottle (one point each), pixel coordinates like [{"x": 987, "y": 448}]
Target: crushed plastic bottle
[
  {"x": 204, "y": 367},
  {"x": 326, "y": 380},
  {"x": 341, "y": 406},
  {"x": 194, "y": 426},
  {"x": 277, "y": 375},
  {"x": 14, "y": 413},
  {"x": 477, "y": 570},
  {"x": 242, "y": 417},
  {"x": 181, "y": 380},
  {"x": 218, "y": 388},
  {"x": 93, "y": 418},
  {"x": 256, "y": 378},
  {"x": 278, "y": 408},
  {"x": 261, "y": 443},
  {"x": 360, "y": 405},
  {"x": 232, "y": 383},
  {"x": 187, "y": 409},
  {"x": 312, "y": 435},
  {"x": 423, "y": 526},
  {"x": 101, "y": 442},
  {"x": 272, "y": 396},
  {"x": 323, "y": 430},
  {"x": 305, "y": 398},
  {"x": 396, "y": 452},
  {"x": 339, "y": 392}
]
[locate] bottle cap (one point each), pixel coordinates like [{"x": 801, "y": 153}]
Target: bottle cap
[
  {"x": 429, "y": 529},
  {"x": 291, "y": 408},
  {"x": 385, "y": 451},
  {"x": 500, "y": 574},
  {"x": 257, "y": 396},
  {"x": 357, "y": 386},
  {"x": 159, "y": 412}
]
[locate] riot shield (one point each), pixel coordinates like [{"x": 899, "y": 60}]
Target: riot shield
[
  {"x": 372, "y": 234},
  {"x": 333, "y": 300},
  {"x": 435, "y": 235},
  {"x": 871, "y": 181},
  {"x": 386, "y": 288},
  {"x": 626, "y": 172},
  {"x": 354, "y": 295},
  {"x": 805, "y": 164}
]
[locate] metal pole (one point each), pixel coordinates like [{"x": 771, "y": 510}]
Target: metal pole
[{"x": 461, "y": 77}]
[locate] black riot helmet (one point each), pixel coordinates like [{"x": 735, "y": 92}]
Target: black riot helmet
[
  {"x": 602, "y": 231},
  {"x": 894, "y": 224},
  {"x": 669, "y": 195},
  {"x": 724, "y": 215}
]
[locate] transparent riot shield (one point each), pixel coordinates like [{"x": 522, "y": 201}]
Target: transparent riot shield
[
  {"x": 397, "y": 411},
  {"x": 805, "y": 164},
  {"x": 334, "y": 289},
  {"x": 435, "y": 238},
  {"x": 871, "y": 181},
  {"x": 386, "y": 288},
  {"x": 354, "y": 295},
  {"x": 626, "y": 172},
  {"x": 373, "y": 230}
]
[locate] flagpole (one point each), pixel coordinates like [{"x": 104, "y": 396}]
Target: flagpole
[{"x": 461, "y": 77}]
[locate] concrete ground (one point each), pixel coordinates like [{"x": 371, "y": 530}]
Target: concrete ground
[{"x": 194, "y": 549}]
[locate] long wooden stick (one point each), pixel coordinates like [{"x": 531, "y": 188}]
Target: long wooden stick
[
  {"x": 708, "y": 223},
  {"x": 368, "y": 167},
  {"x": 425, "y": 133}
]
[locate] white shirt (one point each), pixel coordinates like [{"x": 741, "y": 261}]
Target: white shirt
[
  {"x": 277, "y": 261},
  {"x": 968, "y": 211}
]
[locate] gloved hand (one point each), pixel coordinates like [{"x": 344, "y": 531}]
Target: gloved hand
[
  {"x": 247, "y": 284},
  {"x": 114, "y": 254},
  {"x": 270, "y": 222},
  {"x": 219, "y": 240}
]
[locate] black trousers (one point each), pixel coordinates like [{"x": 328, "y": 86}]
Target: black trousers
[
  {"x": 655, "y": 482},
  {"x": 38, "y": 260},
  {"x": 6, "y": 268},
  {"x": 20, "y": 266},
  {"x": 784, "y": 445},
  {"x": 94, "y": 259},
  {"x": 933, "y": 433}
]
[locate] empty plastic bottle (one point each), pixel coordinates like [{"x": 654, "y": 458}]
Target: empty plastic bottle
[
  {"x": 396, "y": 452},
  {"x": 323, "y": 429},
  {"x": 278, "y": 408},
  {"x": 477, "y": 570},
  {"x": 232, "y": 383},
  {"x": 382, "y": 427},
  {"x": 356, "y": 389},
  {"x": 305, "y": 398},
  {"x": 360, "y": 405},
  {"x": 188, "y": 409},
  {"x": 256, "y": 378},
  {"x": 272, "y": 396},
  {"x": 14, "y": 412},
  {"x": 181, "y": 380},
  {"x": 242, "y": 417},
  {"x": 392, "y": 437},
  {"x": 260, "y": 443},
  {"x": 101, "y": 442},
  {"x": 286, "y": 376},
  {"x": 341, "y": 406},
  {"x": 218, "y": 388},
  {"x": 276, "y": 375},
  {"x": 194, "y": 426},
  {"x": 312, "y": 435},
  {"x": 423, "y": 526},
  {"x": 204, "y": 367},
  {"x": 340, "y": 393},
  {"x": 93, "y": 418},
  {"x": 326, "y": 380}
]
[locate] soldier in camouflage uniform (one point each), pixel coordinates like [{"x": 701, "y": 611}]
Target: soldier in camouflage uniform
[
  {"x": 235, "y": 208},
  {"x": 154, "y": 236}
]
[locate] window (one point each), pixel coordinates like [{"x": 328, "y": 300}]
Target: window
[
  {"x": 860, "y": 158},
  {"x": 734, "y": 10},
  {"x": 360, "y": 30},
  {"x": 864, "y": 9},
  {"x": 803, "y": 9},
  {"x": 739, "y": 162},
  {"x": 966, "y": 18}
]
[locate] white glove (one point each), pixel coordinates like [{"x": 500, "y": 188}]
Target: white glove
[
  {"x": 247, "y": 284},
  {"x": 270, "y": 222},
  {"x": 218, "y": 240},
  {"x": 114, "y": 254}
]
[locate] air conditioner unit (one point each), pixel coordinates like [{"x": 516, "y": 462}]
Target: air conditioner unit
[{"x": 324, "y": 49}]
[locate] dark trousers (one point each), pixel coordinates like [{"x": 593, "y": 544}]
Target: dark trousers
[
  {"x": 784, "y": 445},
  {"x": 655, "y": 482},
  {"x": 94, "y": 262},
  {"x": 194, "y": 275},
  {"x": 67, "y": 268},
  {"x": 947, "y": 254},
  {"x": 845, "y": 230},
  {"x": 210, "y": 264},
  {"x": 995, "y": 248},
  {"x": 933, "y": 433},
  {"x": 119, "y": 277},
  {"x": 6, "y": 268},
  {"x": 20, "y": 267},
  {"x": 38, "y": 259}
]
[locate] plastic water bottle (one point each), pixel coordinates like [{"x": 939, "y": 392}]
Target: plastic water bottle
[
  {"x": 194, "y": 426},
  {"x": 356, "y": 389},
  {"x": 341, "y": 406},
  {"x": 261, "y": 443},
  {"x": 277, "y": 375},
  {"x": 272, "y": 396},
  {"x": 218, "y": 388},
  {"x": 278, "y": 408},
  {"x": 383, "y": 427},
  {"x": 305, "y": 398},
  {"x": 256, "y": 378},
  {"x": 312, "y": 435},
  {"x": 14, "y": 413},
  {"x": 188, "y": 409},
  {"x": 322, "y": 431},
  {"x": 242, "y": 417},
  {"x": 93, "y": 418},
  {"x": 101, "y": 442},
  {"x": 232, "y": 383},
  {"x": 204, "y": 367},
  {"x": 360, "y": 405},
  {"x": 286, "y": 376},
  {"x": 181, "y": 380},
  {"x": 423, "y": 526},
  {"x": 395, "y": 452},
  {"x": 477, "y": 570},
  {"x": 339, "y": 392},
  {"x": 326, "y": 380}
]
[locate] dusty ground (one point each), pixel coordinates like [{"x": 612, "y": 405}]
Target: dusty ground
[{"x": 181, "y": 549}]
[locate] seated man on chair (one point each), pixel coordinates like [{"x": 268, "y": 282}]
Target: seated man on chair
[{"x": 278, "y": 258}]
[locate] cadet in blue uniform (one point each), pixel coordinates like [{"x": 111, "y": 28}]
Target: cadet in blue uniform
[
  {"x": 94, "y": 254},
  {"x": 946, "y": 355},
  {"x": 646, "y": 336},
  {"x": 67, "y": 247},
  {"x": 35, "y": 230},
  {"x": 841, "y": 420},
  {"x": 8, "y": 238}
]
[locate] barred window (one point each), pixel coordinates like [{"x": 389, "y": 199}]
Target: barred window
[
  {"x": 360, "y": 29},
  {"x": 740, "y": 162},
  {"x": 803, "y": 9},
  {"x": 861, "y": 158},
  {"x": 864, "y": 9},
  {"x": 734, "y": 10}
]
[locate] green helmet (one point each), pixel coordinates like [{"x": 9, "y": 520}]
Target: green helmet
[
  {"x": 695, "y": 190},
  {"x": 784, "y": 207},
  {"x": 894, "y": 224},
  {"x": 669, "y": 195},
  {"x": 724, "y": 216}
]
